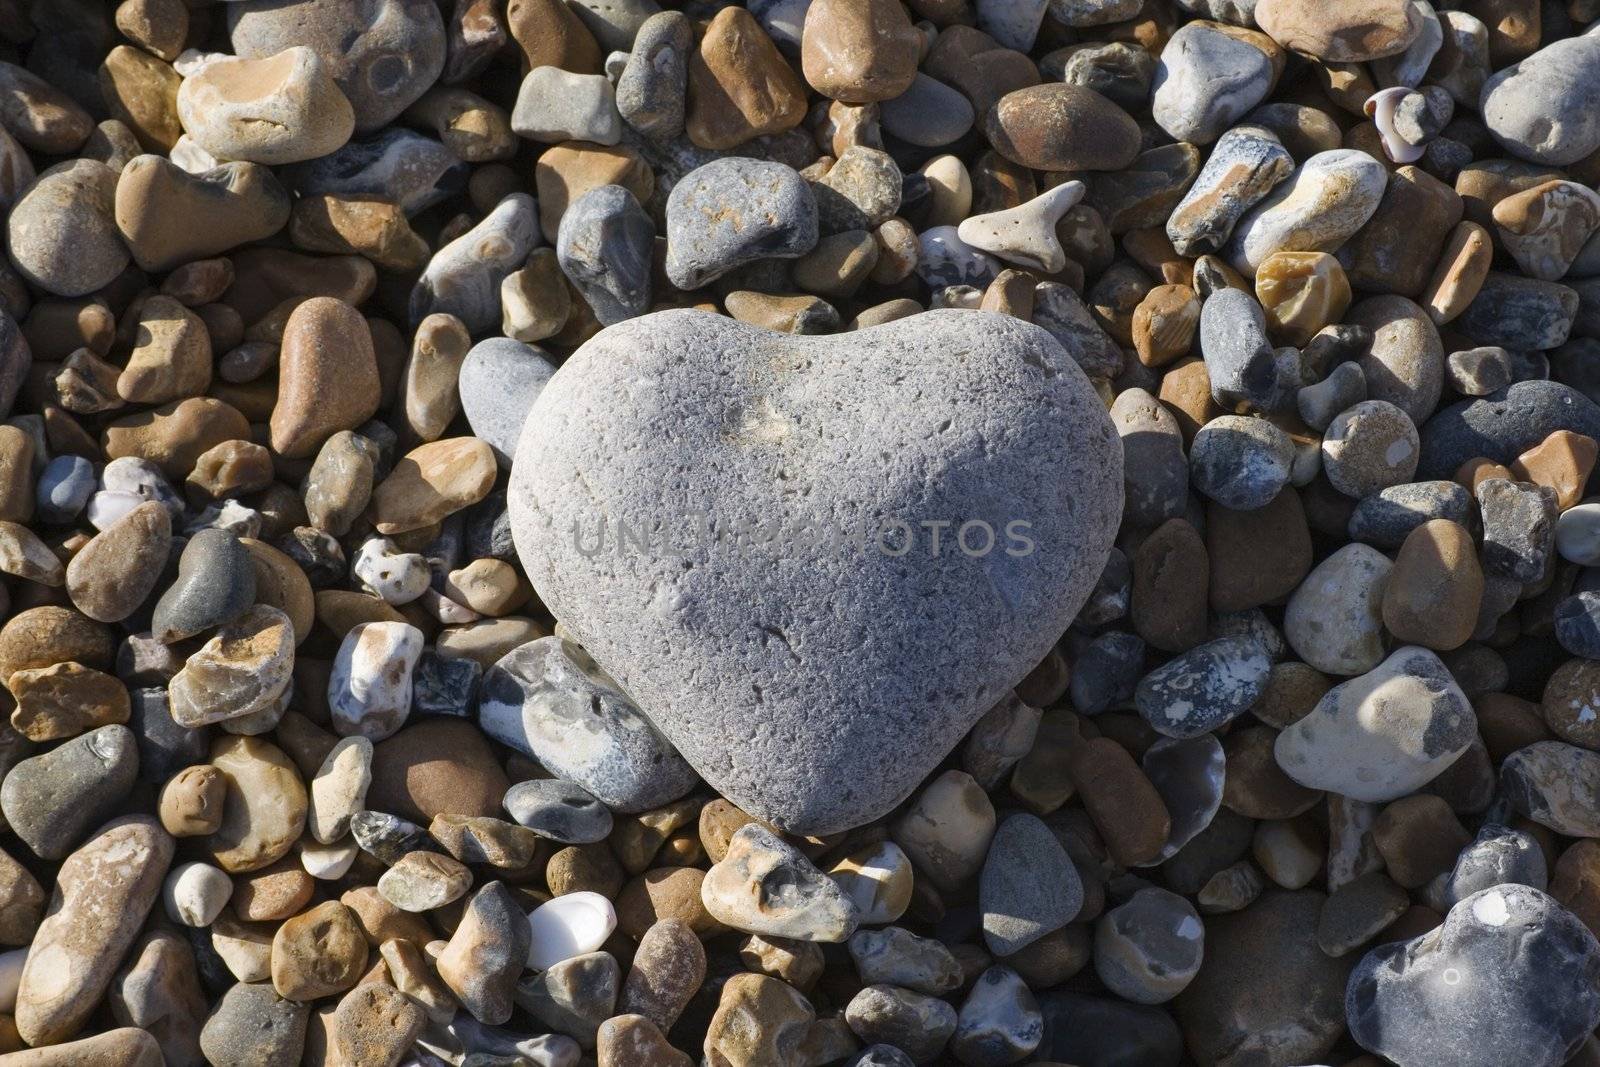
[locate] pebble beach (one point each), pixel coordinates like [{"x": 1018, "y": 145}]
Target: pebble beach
[{"x": 799, "y": 533}]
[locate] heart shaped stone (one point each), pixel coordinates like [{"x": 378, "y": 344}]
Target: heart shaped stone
[{"x": 816, "y": 561}]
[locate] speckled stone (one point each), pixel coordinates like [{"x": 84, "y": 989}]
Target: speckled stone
[{"x": 734, "y": 211}]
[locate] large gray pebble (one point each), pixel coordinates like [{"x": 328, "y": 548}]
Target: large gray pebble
[
  {"x": 499, "y": 381},
  {"x": 747, "y": 650},
  {"x": 652, "y": 92},
  {"x": 545, "y": 701},
  {"x": 1511, "y": 977},
  {"x": 1206, "y": 80},
  {"x": 1028, "y": 887},
  {"x": 52, "y": 800},
  {"x": 561, "y": 811},
  {"x": 734, "y": 211},
  {"x": 1546, "y": 108}
]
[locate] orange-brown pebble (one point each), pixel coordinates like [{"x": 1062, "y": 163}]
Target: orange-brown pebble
[{"x": 1563, "y": 462}]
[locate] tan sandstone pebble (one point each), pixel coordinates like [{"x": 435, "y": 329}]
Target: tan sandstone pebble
[
  {"x": 65, "y": 700},
  {"x": 1186, "y": 391},
  {"x": 349, "y": 225},
  {"x": 1164, "y": 324},
  {"x": 171, "y": 356},
  {"x": 797, "y": 313},
  {"x": 22, "y": 901},
  {"x": 157, "y": 26},
  {"x": 1508, "y": 723},
  {"x": 412, "y": 973},
  {"x": 103, "y": 892},
  {"x": 1546, "y": 227},
  {"x": 1418, "y": 837},
  {"x": 273, "y": 893},
  {"x": 431, "y": 482},
  {"x": 799, "y": 963},
  {"x": 45, "y": 636},
  {"x": 947, "y": 828},
  {"x": 1352, "y": 31},
  {"x": 1459, "y": 273},
  {"x": 328, "y": 376},
  {"x": 1479, "y": 469},
  {"x": 668, "y": 968},
  {"x": 1571, "y": 703},
  {"x": 759, "y": 1020},
  {"x": 1432, "y": 594},
  {"x": 740, "y": 86},
  {"x": 125, "y": 1046},
  {"x": 584, "y": 869},
  {"x": 141, "y": 92},
  {"x": 1257, "y": 557},
  {"x": 24, "y": 556},
  {"x": 175, "y": 435},
  {"x": 381, "y": 921},
  {"x": 859, "y": 51},
  {"x": 1125, "y": 807},
  {"x": 634, "y": 1041},
  {"x": 1563, "y": 462},
  {"x": 231, "y": 469},
  {"x": 318, "y": 953},
  {"x": 665, "y": 893},
  {"x": 339, "y": 788},
  {"x": 16, "y": 474},
  {"x": 1062, "y": 127},
  {"x": 276, "y": 109},
  {"x": 169, "y": 217},
  {"x": 1301, "y": 293},
  {"x": 488, "y": 586},
  {"x": 375, "y": 1025},
  {"x": 264, "y": 806}
]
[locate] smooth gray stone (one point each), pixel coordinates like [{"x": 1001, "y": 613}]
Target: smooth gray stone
[
  {"x": 615, "y": 23},
  {"x": 784, "y": 21},
  {"x": 1205, "y": 81},
  {"x": 1344, "y": 387},
  {"x": 1239, "y": 357},
  {"x": 1233, "y": 12},
  {"x": 575, "y": 996},
  {"x": 1239, "y": 461},
  {"x": 1028, "y": 886},
  {"x": 499, "y": 381},
  {"x": 1511, "y": 977},
  {"x": 652, "y": 92},
  {"x": 916, "y": 1024},
  {"x": 165, "y": 747},
  {"x": 52, "y": 801},
  {"x": 398, "y": 165},
  {"x": 542, "y": 697},
  {"x": 496, "y": 1046},
  {"x": 1155, "y": 471},
  {"x": 555, "y": 105},
  {"x": 604, "y": 247},
  {"x": 896, "y": 956},
  {"x": 930, "y": 114},
  {"x": 734, "y": 211},
  {"x": 65, "y": 485},
  {"x": 561, "y": 811},
  {"x": 463, "y": 278},
  {"x": 15, "y": 360},
  {"x": 1503, "y": 425},
  {"x": 1083, "y": 13},
  {"x": 1546, "y": 108},
  {"x": 1245, "y": 165},
  {"x": 384, "y": 54},
  {"x": 1519, "y": 313},
  {"x": 1119, "y": 71},
  {"x": 1497, "y": 856},
  {"x": 1385, "y": 518},
  {"x": 388, "y": 837},
  {"x": 811, "y": 637},
  {"x": 216, "y": 584},
  {"x": 1106, "y": 671},
  {"x": 252, "y": 1024}
]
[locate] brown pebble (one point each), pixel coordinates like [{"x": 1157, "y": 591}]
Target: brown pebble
[
  {"x": 551, "y": 35},
  {"x": 1254, "y": 785},
  {"x": 1418, "y": 837},
  {"x": 668, "y": 969},
  {"x": 65, "y": 700},
  {"x": 431, "y": 482},
  {"x": 1479, "y": 469},
  {"x": 584, "y": 868},
  {"x": 22, "y": 902},
  {"x": 1059, "y": 127},
  {"x": 45, "y": 636},
  {"x": 1292, "y": 690},
  {"x": 1575, "y": 881},
  {"x": 1164, "y": 324},
  {"x": 1571, "y": 703},
  {"x": 327, "y": 374},
  {"x": 665, "y": 893},
  {"x": 1432, "y": 595},
  {"x": 1186, "y": 390},
  {"x": 1257, "y": 557},
  {"x": 1171, "y": 575},
  {"x": 759, "y": 1020},
  {"x": 1563, "y": 462},
  {"x": 566, "y": 171},
  {"x": 1125, "y": 807},
  {"x": 1508, "y": 723},
  {"x": 374, "y": 1025},
  {"x": 191, "y": 802},
  {"x": 740, "y": 86},
  {"x": 16, "y": 474},
  {"x": 141, "y": 92},
  {"x": 859, "y": 51},
  {"x": 634, "y": 1041},
  {"x": 273, "y": 893},
  {"x": 318, "y": 953},
  {"x": 173, "y": 436}
]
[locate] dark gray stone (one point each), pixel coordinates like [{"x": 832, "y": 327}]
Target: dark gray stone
[
  {"x": 561, "y": 811},
  {"x": 811, "y": 636},
  {"x": 252, "y": 1024},
  {"x": 397, "y": 165},
  {"x": 604, "y": 248},
  {"x": 1204, "y": 688},
  {"x": 1519, "y": 313},
  {"x": 1061, "y": 313},
  {"x": 1519, "y": 528},
  {"x": 1239, "y": 461},
  {"x": 734, "y": 211},
  {"x": 216, "y": 584},
  {"x": 444, "y": 686},
  {"x": 930, "y": 114},
  {"x": 1511, "y": 977},
  {"x": 1497, "y": 856},
  {"x": 1385, "y": 518},
  {"x": 463, "y": 278},
  {"x": 165, "y": 747},
  {"x": 388, "y": 837},
  {"x": 1092, "y": 1031},
  {"x": 1577, "y": 620},
  {"x": 1106, "y": 672},
  {"x": 51, "y": 801},
  {"x": 1503, "y": 426},
  {"x": 15, "y": 360},
  {"x": 1028, "y": 886},
  {"x": 1240, "y": 360},
  {"x": 575, "y": 996}
]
